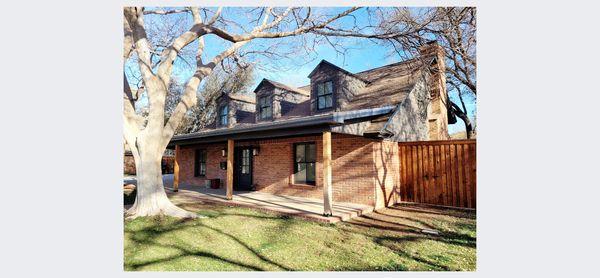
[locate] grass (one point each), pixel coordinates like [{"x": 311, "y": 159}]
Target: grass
[{"x": 243, "y": 239}]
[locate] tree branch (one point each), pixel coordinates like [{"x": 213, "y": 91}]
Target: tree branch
[
  {"x": 260, "y": 34},
  {"x": 163, "y": 12}
]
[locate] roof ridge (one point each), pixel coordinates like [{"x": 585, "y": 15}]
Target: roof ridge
[
  {"x": 391, "y": 64},
  {"x": 282, "y": 86}
]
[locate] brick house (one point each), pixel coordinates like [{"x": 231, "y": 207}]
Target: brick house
[{"x": 334, "y": 139}]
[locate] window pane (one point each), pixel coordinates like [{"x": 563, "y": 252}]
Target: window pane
[
  {"x": 203, "y": 169},
  {"x": 310, "y": 173},
  {"x": 224, "y": 110},
  {"x": 329, "y": 87},
  {"x": 300, "y": 175},
  {"x": 311, "y": 153},
  {"x": 320, "y": 89},
  {"x": 321, "y": 104},
  {"x": 328, "y": 101},
  {"x": 300, "y": 153}
]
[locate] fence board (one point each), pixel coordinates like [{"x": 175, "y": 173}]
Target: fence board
[{"x": 439, "y": 172}]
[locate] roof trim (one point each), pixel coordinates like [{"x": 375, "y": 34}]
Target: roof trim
[
  {"x": 280, "y": 86},
  {"x": 335, "y": 118},
  {"x": 337, "y": 68},
  {"x": 236, "y": 98}
]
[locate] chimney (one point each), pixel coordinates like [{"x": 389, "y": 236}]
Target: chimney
[
  {"x": 431, "y": 48},
  {"x": 437, "y": 110}
]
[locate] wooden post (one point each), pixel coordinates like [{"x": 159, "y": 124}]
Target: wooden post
[
  {"x": 327, "y": 192},
  {"x": 176, "y": 170},
  {"x": 229, "y": 169}
]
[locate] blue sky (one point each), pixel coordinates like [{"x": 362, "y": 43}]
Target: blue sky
[{"x": 361, "y": 55}]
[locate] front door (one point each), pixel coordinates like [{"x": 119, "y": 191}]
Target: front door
[{"x": 243, "y": 169}]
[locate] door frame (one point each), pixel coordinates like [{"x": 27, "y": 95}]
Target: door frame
[{"x": 237, "y": 156}]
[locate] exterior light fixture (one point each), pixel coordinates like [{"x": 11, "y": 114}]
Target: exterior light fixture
[
  {"x": 255, "y": 150},
  {"x": 224, "y": 152}
]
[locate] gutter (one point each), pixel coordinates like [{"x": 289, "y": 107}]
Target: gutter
[{"x": 335, "y": 118}]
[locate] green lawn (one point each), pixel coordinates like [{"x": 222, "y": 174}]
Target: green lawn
[{"x": 240, "y": 239}]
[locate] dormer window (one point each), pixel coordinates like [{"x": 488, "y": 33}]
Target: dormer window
[
  {"x": 265, "y": 108},
  {"x": 223, "y": 113},
  {"x": 325, "y": 95}
]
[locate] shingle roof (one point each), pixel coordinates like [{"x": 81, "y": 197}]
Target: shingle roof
[
  {"x": 389, "y": 85},
  {"x": 242, "y": 97},
  {"x": 281, "y": 86},
  {"x": 324, "y": 62},
  {"x": 384, "y": 86}
]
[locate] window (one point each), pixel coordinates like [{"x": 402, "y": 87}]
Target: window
[
  {"x": 223, "y": 113},
  {"x": 245, "y": 161},
  {"x": 325, "y": 95},
  {"x": 305, "y": 157},
  {"x": 200, "y": 166},
  {"x": 265, "y": 109}
]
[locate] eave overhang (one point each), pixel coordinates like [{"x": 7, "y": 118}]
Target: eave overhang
[{"x": 297, "y": 126}]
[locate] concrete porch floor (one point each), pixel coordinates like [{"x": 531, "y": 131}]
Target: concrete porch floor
[{"x": 307, "y": 208}]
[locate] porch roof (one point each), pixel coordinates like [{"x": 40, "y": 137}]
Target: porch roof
[{"x": 294, "y": 126}]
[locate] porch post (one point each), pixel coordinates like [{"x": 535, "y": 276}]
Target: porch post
[
  {"x": 176, "y": 170},
  {"x": 327, "y": 202},
  {"x": 229, "y": 169}
]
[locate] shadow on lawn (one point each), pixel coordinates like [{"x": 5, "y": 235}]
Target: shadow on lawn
[
  {"x": 147, "y": 236},
  {"x": 394, "y": 234},
  {"x": 379, "y": 227}
]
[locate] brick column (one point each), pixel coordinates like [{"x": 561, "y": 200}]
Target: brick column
[{"x": 327, "y": 192}]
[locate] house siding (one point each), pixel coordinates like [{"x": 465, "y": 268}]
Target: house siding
[
  {"x": 282, "y": 101},
  {"x": 409, "y": 122},
  {"x": 345, "y": 87},
  {"x": 239, "y": 111},
  {"x": 360, "y": 166}
]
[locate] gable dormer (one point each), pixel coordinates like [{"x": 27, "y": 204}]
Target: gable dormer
[
  {"x": 332, "y": 88},
  {"x": 275, "y": 100},
  {"x": 234, "y": 108}
]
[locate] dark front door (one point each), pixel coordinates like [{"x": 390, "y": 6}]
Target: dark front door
[{"x": 243, "y": 169}]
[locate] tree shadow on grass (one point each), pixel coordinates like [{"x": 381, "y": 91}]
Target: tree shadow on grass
[
  {"x": 388, "y": 242},
  {"x": 392, "y": 234},
  {"x": 147, "y": 236}
]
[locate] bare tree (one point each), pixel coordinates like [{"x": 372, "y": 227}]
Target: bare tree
[
  {"x": 202, "y": 114},
  {"x": 148, "y": 137},
  {"x": 405, "y": 30}
]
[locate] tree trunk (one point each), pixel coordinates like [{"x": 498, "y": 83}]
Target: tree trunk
[
  {"x": 465, "y": 118},
  {"x": 151, "y": 198}
]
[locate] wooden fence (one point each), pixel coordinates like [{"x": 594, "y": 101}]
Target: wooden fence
[{"x": 439, "y": 172}]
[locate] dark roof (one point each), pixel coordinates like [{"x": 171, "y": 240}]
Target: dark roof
[
  {"x": 325, "y": 62},
  {"x": 385, "y": 86},
  {"x": 245, "y": 97},
  {"x": 281, "y": 86},
  {"x": 389, "y": 84},
  {"x": 250, "y": 131}
]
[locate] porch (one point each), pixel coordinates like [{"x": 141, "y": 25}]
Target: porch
[{"x": 307, "y": 208}]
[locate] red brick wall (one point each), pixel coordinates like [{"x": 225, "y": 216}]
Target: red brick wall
[
  {"x": 387, "y": 179},
  {"x": 185, "y": 157},
  {"x": 355, "y": 171}
]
